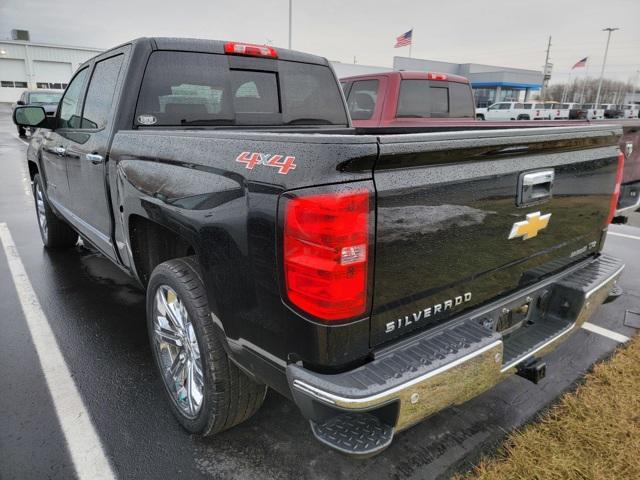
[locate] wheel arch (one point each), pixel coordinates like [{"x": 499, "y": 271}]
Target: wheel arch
[
  {"x": 152, "y": 243},
  {"x": 33, "y": 169}
]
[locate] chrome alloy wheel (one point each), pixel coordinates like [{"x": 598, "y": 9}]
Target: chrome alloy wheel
[
  {"x": 40, "y": 210},
  {"x": 177, "y": 351}
]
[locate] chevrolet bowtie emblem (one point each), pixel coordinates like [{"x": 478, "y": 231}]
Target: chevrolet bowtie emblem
[{"x": 530, "y": 227}]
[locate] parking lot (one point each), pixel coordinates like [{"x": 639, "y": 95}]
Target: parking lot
[{"x": 96, "y": 316}]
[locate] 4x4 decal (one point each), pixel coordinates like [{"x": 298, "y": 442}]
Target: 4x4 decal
[{"x": 251, "y": 159}]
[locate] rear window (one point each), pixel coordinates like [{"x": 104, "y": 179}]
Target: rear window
[
  {"x": 185, "y": 88},
  {"x": 422, "y": 98}
]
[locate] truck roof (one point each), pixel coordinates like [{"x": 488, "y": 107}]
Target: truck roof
[
  {"x": 210, "y": 46},
  {"x": 413, "y": 75}
]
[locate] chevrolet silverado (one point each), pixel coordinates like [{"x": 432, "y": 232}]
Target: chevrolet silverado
[{"x": 373, "y": 276}]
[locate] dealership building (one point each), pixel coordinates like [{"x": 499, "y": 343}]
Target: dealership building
[
  {"x": 25, "y": 64},
  {"x": 490, "y": 83}
]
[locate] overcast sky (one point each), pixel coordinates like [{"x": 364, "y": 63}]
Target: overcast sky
[{"x": 502, "y": 32}]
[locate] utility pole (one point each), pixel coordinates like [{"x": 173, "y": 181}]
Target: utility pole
[
  {"x": 290, "y": 9},
  {"x": 604, "y": 61},
  {"x": 546, "y": 72}
]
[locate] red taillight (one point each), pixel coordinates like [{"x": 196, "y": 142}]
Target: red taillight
[
  {"x": 616, "y": 192},
  {"x": 326, "y": 251},
  {"x": 436, "y": 76},
  {"x": 235, "y": 48}
]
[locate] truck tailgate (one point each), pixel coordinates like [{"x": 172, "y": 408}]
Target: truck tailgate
[{"x": 456, "y": 227}]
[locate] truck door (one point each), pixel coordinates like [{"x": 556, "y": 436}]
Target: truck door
[
  {"x": 87, "y": 157},
  {"x": 499, "y": 111},
  {"x": 56, "y": 142}
]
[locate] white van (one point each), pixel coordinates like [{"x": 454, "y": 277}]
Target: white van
[
  {"x": 559, "y": 111},
  {"x": 593, "y": 112},
  {"x": 534, "y": 111},
  {"x": 631, "y": 111}
]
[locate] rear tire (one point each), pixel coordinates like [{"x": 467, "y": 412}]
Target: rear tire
[
  {"x": 207, "y": 392},
  {"x": 55, "y": 233}
]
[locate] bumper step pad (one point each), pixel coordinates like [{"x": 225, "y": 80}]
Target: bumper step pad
[
  {"x": 525, "y": 340},
  {"x": 361, "y": 434}
]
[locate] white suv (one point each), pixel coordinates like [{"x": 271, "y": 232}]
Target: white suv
[{"x": 513, "y": 111}]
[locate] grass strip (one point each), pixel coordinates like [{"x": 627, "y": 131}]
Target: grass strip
[{"x": 592, "y": 433}]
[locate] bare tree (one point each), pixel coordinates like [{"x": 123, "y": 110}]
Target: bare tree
[{"x": 582, "y": 90}]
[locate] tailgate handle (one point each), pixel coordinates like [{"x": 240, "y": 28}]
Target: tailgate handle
[{"x": 535, "y": 187}]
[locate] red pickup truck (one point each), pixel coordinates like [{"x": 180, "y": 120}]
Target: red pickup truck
[
  {"x": 401, "y": 99},
  {"x": 418, "y": 99}
]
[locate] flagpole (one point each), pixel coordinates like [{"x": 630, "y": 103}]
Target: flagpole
[
  {"x": 411, "y": 44},
  {"x": 584, "y": 81},
  {"x": 565, "y": 90}
]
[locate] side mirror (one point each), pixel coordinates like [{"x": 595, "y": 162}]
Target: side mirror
[
  {"x": 27, "y": 116},
  {"x": 20, "y": 102}
]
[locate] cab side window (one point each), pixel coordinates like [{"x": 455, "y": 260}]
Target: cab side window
[
  {"x": 71, "y": 103},
  {"x": 101, "y": 92},
  {"x": 362, "y": 99}
]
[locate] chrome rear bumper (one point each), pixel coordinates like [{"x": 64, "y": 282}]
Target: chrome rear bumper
[{"x": 453, "y": 363}]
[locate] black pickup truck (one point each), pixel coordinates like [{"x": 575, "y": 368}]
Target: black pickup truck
[{"x": 373, "y": 276}]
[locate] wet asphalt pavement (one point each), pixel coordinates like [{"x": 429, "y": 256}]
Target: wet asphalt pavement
[{"x": 97, "y": 317}]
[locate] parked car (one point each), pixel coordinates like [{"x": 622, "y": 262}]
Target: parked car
[
  {"x": 383, "y": 89},
  {"x": 631, "y": 110},
  {"x": 415, "y": 98},
  {"x": 612, "y": 110},
  {"x": 374, "y": 276},
  {"x": 577, "y": 112},
  {"x": 559, "y": 111},
  {"x": 629, "y": 199},
  {"x": 47, "y": 99},
  {"x": 594, "y": 112},
  {"x": 514, "y": 111}
]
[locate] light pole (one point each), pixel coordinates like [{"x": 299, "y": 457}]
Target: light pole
[
  {"x": 290, "y": 9},
  {"x": 604, "y": 62},
  {"x": 546, "y": 74}
]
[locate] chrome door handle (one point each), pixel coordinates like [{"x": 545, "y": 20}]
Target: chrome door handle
[
  {"x": 60, "y": 151},
  {"x": 94, "y": 158},
  {"x": 536, "y": 178},
  {"x": 535, "y": 187}
]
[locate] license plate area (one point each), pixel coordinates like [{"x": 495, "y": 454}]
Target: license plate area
[
  {"x": 511, "y": 319},
  {"x": 517, "y": 313}
]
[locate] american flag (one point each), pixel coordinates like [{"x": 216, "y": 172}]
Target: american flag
[
  {"x": 581, "y": 63},
  {"x": 404, "y": 39}
]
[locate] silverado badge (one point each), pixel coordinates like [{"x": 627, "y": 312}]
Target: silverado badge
[{"x": 530, "y": 227}]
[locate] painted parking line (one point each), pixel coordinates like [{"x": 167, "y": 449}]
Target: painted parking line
[
  {"x": 625, "y": 235},
  {"x": 618, "y": 337},
  {"x": 84, "y": 445}
]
